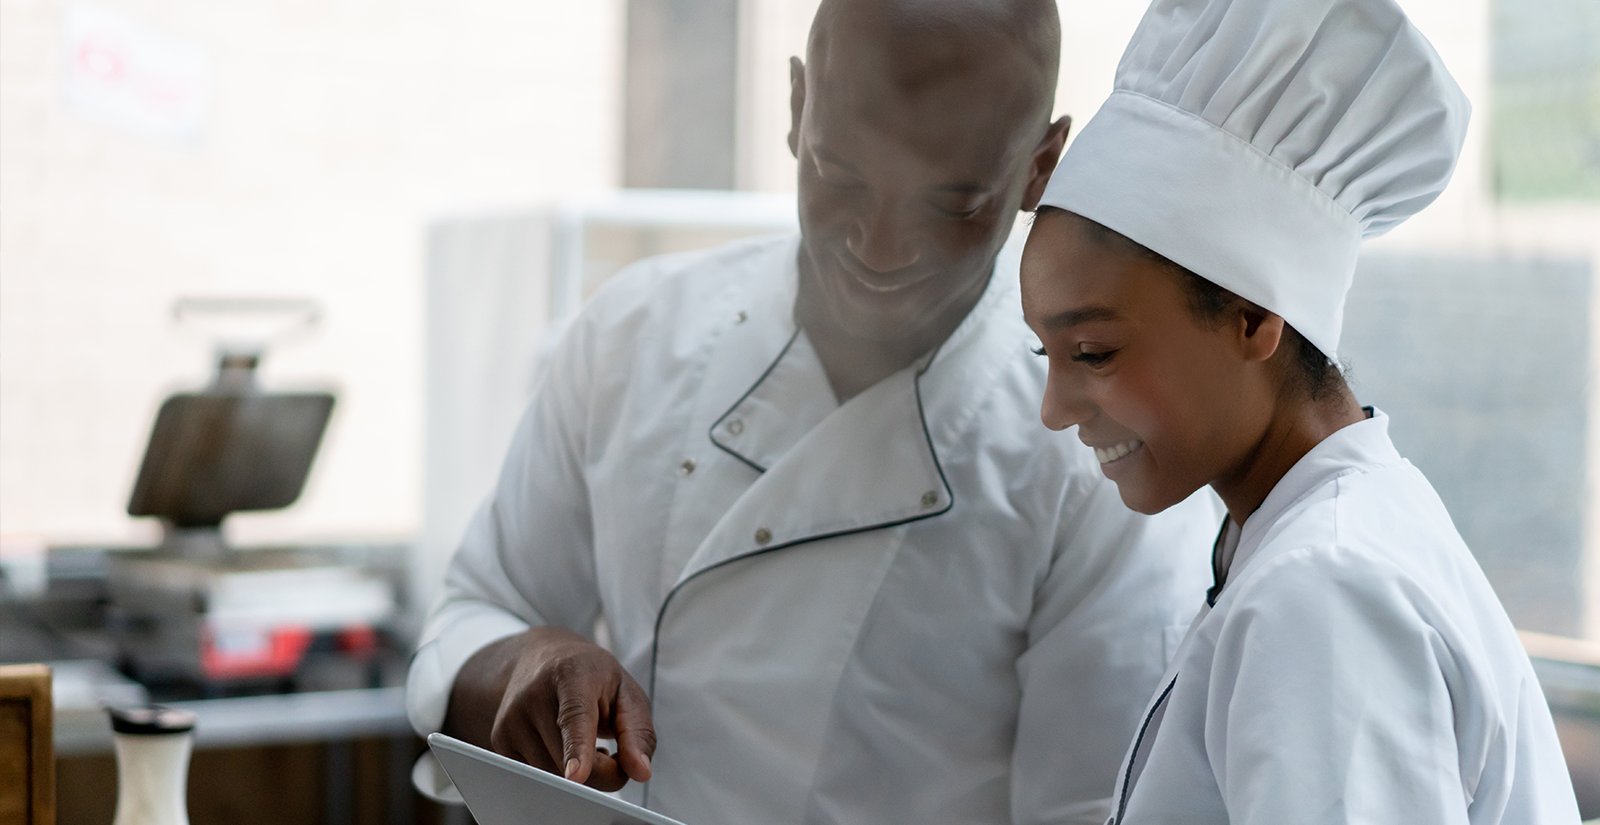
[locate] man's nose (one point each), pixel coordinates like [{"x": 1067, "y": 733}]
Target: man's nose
[
  {"x": 882, "y": 241},
  {"x": 1065, "y": 403}
]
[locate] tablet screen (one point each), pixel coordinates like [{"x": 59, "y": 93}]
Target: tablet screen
[{"x": 502, "y": 791}]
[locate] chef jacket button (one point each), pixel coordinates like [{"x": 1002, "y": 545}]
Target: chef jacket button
[
  {"x": 687, "y": 466},
  {"x": 763, "y": 535},
  {"x": 929, "y": 499},
  {"x": 741, "y": 317},
  {"x": 735, "y": 427}
]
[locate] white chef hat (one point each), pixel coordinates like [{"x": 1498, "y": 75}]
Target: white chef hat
[{"x": 1257, "y": 142}]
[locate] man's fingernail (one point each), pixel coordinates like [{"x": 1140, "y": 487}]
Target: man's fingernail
[
  {"x": 572, "y": 768},
  {"x": 646, "y": 758}
]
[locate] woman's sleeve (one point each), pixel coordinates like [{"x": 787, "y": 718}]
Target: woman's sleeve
[{"x": 1332, "y": 700}]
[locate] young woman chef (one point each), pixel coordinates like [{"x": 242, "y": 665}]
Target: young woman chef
[{"x": 1351, "y": 663}]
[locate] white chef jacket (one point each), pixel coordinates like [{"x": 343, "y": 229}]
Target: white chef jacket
[
  {"x": 919, "y": 606},
  {"x": 1355, "y": 667}
]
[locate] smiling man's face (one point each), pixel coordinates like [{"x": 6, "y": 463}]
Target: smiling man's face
[
  {"x": 914, "y": 159},
  {"x": 1167, "y": 399}
]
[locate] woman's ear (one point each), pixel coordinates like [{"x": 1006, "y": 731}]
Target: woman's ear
[{"x": 1259, "y": 332}]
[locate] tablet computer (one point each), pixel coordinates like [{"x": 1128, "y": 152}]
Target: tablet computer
[{"x": 502, "y": 791}]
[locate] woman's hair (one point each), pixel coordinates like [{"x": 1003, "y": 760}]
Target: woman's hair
[{"x": 1313, "y": 372}]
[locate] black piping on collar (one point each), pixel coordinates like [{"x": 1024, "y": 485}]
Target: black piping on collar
[
  {"x": 661, "y": 613},
  {"x": 1219, "y": 574},
  {"x": 711, "y": 433}
]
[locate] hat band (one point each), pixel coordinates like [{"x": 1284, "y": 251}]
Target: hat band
[{"x": 1210, "y": 202}]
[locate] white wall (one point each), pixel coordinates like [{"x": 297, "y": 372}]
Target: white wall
[{"x": 337, "y": 128}]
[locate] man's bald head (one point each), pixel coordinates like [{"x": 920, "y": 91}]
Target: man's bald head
[
  {"x": 912, "y": 46},
  {"x": 920, "y": 127}
]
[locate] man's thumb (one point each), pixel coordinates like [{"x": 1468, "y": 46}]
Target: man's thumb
[{"x": 636, "y": 735}]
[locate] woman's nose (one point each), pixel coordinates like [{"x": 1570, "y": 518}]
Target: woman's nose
[
  {"x": 881, "y": 241},
  {"x": 1065, "y": 403}
]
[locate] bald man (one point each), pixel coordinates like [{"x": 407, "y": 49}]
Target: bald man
[{"x": 848, "y": 576}]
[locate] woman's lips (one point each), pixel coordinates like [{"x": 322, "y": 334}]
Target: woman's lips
[{"x": 1117, "y": 452}]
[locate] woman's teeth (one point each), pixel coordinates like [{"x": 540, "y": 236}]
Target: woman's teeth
[{"x": 1110, "y": 454}]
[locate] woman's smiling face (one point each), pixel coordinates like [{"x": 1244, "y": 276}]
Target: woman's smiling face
[{"x": 1170, "y": 401}]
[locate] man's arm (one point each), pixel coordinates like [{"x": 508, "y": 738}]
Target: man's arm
[
  {"x": 1120, "y": 585},
  {"x": 499, "y": 663}
]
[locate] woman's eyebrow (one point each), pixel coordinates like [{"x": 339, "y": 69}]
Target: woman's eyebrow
[{"x": 1081, "y": 315}]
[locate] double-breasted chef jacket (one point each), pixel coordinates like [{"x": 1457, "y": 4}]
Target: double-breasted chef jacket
[
  {"x": 1352, "y": 665},
  {"x": 919, "y": 606}
]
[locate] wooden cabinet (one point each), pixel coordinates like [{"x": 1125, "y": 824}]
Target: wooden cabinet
[{"x": 27, "y": 750}]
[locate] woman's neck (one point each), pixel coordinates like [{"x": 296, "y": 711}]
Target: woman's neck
[{"x": 1297, "y": 425}]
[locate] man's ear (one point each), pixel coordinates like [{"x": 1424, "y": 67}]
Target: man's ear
[
  {"x": 1259, "y": 333},
  {"x": 797, "y": 102},
  {"x": 1043, "y": 163}
]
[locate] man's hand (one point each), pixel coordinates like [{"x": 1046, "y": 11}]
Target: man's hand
[{"x": 543, "y": 696}]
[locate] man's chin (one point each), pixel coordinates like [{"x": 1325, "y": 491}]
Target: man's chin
[
  {"x": 881, "y": 325},
  {"x": 867, "y": 316}
]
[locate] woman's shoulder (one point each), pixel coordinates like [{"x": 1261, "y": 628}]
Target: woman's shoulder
[
  {"x": 1373, "y": 564},
  {"x": 1378, "y": 523}
]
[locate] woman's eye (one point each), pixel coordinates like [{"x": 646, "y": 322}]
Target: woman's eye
[
  {"x": 1094, "y": 359},
  {"x": 1039, "y": 351}
]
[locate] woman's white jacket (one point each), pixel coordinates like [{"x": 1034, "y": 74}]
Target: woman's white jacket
[{"x": 1355, "y": 667}]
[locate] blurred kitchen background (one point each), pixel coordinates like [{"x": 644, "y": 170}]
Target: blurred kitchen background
[{"x": 433, "y": 186}]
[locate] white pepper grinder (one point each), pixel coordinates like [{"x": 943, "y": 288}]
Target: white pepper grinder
[{"x": 153, "y": 745}]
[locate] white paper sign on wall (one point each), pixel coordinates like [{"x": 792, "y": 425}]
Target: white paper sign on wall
[{"x": 124, "y": 74}]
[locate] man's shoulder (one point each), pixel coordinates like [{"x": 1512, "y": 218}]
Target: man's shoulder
[
  {"x": 679, "y": 283},
  {"x": 1004, "y": 438},
  {"x": 1002, "y": 394}
]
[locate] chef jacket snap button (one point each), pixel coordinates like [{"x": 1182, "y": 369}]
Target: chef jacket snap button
[
  {"x": 687, "y": 466},
  {"x": 741, "y": 317},
  {"x": 929, "y": 499},
  {"x": 763, "y": 535},
  {"x": 735, "y": 427}
]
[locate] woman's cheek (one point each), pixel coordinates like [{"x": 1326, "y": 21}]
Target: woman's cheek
[{"x": 1133, "y": 399}]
